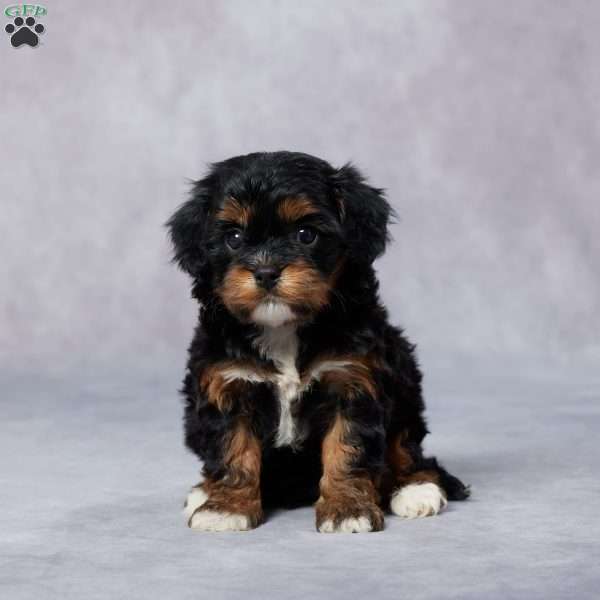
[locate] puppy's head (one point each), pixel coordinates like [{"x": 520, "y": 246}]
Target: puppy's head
[{"x": 269, "y": 233}]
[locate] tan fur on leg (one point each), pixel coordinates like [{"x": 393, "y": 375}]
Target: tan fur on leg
[
  {"x": 233, "y": 503},
  {"x": 348, "y": 501}
]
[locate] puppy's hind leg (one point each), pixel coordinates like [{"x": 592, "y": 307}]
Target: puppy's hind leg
[{"x": 421, "y": 488}]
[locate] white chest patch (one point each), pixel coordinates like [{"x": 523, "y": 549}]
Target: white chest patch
[{"x": 280, "y": 344}]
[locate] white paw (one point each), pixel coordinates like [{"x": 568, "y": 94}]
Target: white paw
[
  {"x": 351, "y": 525},
  {"x": 211, "y": 520},
  {"x": 418, "y": 500},
  {"x": 195, "y": 499}
]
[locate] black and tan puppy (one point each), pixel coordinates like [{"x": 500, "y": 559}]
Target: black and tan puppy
[{"x": 298, "y": 389}]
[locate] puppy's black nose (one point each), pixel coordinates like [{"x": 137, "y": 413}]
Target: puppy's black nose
[{"x": 266, "y": 277}]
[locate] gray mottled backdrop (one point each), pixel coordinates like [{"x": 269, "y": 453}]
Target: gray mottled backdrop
[{"x": 482, "y": 121}]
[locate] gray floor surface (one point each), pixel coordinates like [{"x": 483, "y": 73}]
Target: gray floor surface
[{"x": 93, "y": 475}]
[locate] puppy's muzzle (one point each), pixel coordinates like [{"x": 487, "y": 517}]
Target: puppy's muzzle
[{"x": 266, "y": 277}]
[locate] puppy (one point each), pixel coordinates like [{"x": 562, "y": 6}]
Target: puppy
[{"x": 298, "y": 389}]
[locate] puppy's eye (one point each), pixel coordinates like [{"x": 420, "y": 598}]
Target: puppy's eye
[
  {"x": 234, "y": 239},
  {"x": 306, "y": 235}
]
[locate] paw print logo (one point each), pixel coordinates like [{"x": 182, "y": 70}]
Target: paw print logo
[{"x": 24, "y": 32}]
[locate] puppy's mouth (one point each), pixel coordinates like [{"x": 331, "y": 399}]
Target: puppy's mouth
[{"x": 300, "y": 292}]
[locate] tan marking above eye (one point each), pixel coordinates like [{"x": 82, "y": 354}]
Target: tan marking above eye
[
  {"x": 234, "y": 211},
  {"x": 293, "y": 209}
]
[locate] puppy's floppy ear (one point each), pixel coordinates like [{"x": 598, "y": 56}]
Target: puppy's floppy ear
[
  {"x": 364, "y": 212},
  {"x": 187, "y": 229}
]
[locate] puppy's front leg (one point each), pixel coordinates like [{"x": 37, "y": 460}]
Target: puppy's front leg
[
  {"x": 348, "y": 501},
  {"x": 231, "y": 502},
  {"x": 352, "y": 453},
  {"x": 353, "y": 448}
]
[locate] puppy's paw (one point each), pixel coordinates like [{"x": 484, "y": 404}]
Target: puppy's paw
[
  {"x": 418, "y": 500},
  {"x": 212, "y": 520},
  {"x": 202, "y": 514},
  {"x": 349, "y": 525},
  {"x": 195, "y": 499},
  {"x": 342, "y": 518}
]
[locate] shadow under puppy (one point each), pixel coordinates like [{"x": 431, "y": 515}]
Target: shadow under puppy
[{"x": 297, "y": 388}]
